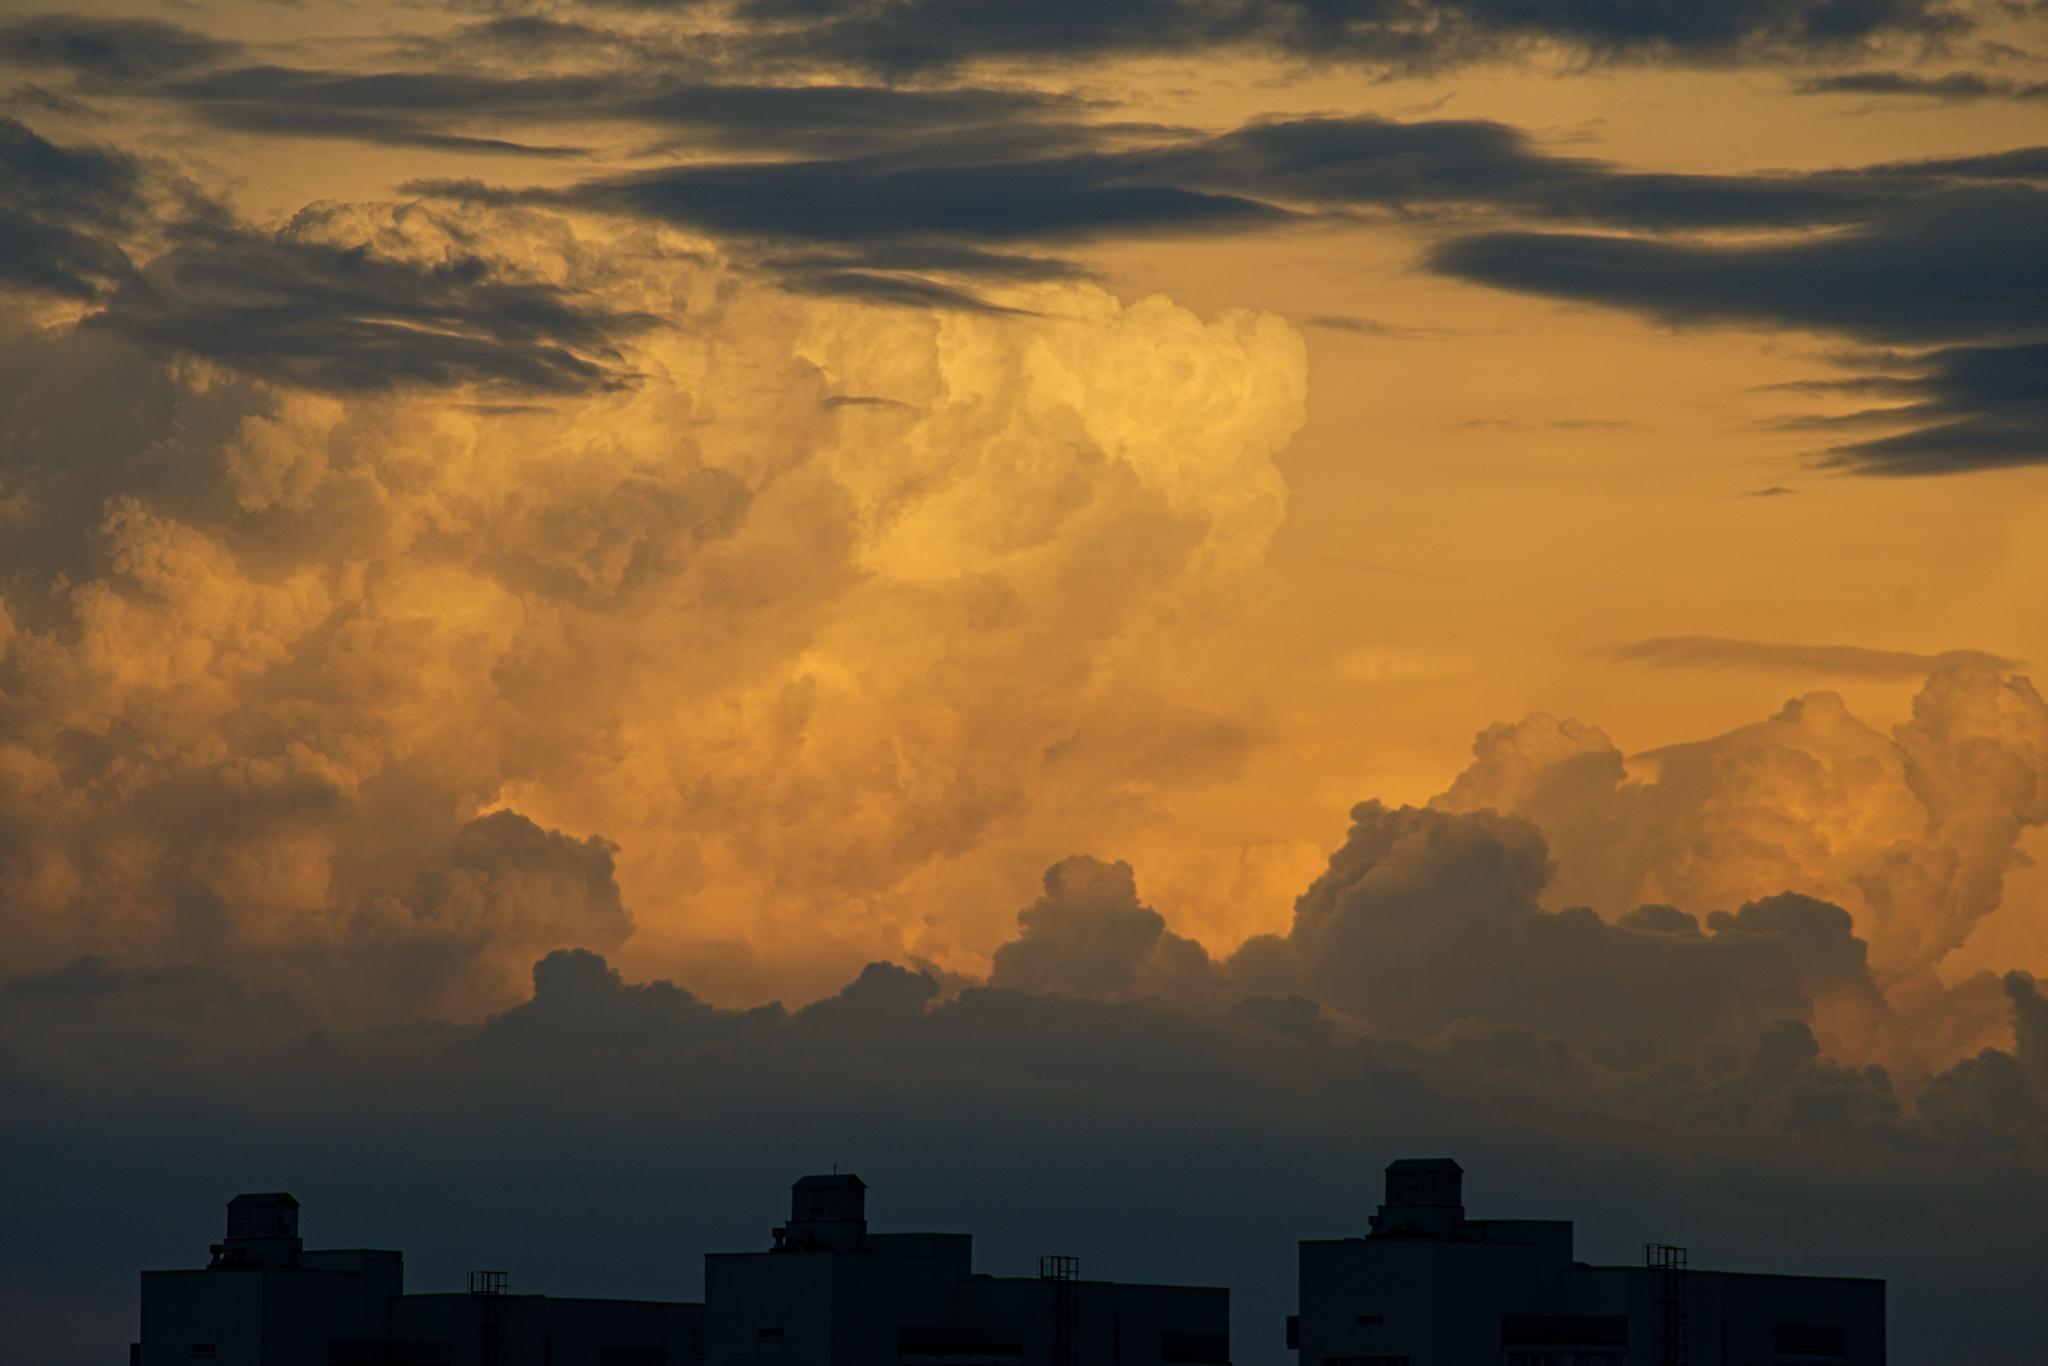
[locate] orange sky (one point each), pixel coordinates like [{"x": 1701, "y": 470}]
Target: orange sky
[{"x": 1168, "y": 567}]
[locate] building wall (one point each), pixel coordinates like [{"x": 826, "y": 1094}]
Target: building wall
[
  {"x": 448, "y": 1328},
  {"x": 1434, "y": 1302},
  {"x": 589, "y": 1332},
  {"x": 1759, "y": 1311},
  {"x": 1172, "y": 1325},
  {"x": 251, "y": 1316},
  {"x": 773, "y": 1308},
  {"x": 1441, "y": 1302}
]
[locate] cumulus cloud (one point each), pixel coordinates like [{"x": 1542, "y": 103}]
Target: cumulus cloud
[
  {"x": 1426, "y": 919},
  {"x": 1912, "y": 832},
  {"x": 1091, "y": 936},
  {"x": 1424, "y": 997},
  {"x": 1100, "y": 1112},
  {"x": 794, "y": 656}
]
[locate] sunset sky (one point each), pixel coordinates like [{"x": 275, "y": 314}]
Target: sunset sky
[{"x": 1199, "y": 531}]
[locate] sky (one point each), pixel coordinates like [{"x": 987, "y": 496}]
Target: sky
[{"x": 1058, "y": 603}]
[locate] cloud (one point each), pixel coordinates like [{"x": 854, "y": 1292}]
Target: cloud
[
  {"x": 1912, "y": 832},
  {"x": 1948, "y": 87},
  {"x": 108, "y": 52},
  {"x": 916, "y": 195},
  {"x": 63, "y": 213},
  {"x": 923, "y": 223},
  {"x": 314, "y": 305},
  {"x": 2030, "y": 1025},
  {"x": 897, "y": 290},
  {"x": 920, "y": 195},
  {"x": 859, "y": 200},
  {"x": 1952, "y": 271},
  {"x": 1436, "y": 988},
  {"x": 799, "y": 662},
  {"x": 1972, "y": 275},
  {"x": 1714, "y": 652},
  {"x": 336, "y": 299},
  {"x": 1426, "y": 918},
  {"x": 920, "y": 35},
  {"x": 432, "y": 108},
  {"x": 1100, "y": 1112},
  {"x": 1090, "y": 936},
  {"x": 1969, "y": 408}
]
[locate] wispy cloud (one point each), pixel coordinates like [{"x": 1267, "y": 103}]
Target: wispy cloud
[{"x": 1719, "y": 652}]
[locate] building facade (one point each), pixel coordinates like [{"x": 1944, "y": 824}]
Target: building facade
[
  {"x": 1429, "y": 1287},
  {"x": 827, "y": 1292},
  {"x": 267, "y": 1301}
]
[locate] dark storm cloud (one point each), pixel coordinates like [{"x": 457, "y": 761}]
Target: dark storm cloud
[
  {"x": 286, "y": 306},
  {"x": 1940, "y": 259},
  {"x": 889, "y": 199},
  {"x": 1000, "y": 182},
  {"x": 900, "y": 291},
  {"x": 310, "y": 313},
  {"x": 1973, "y": 408},
  {"x": 915, "y": 35},
  {"x": 1967, "y": 261},
  {"x": 1950, "y": 87},
  {"x": 952, "y": 257},
  {"x": 390, "y": 108},
  {"x": 1382, "y": 164},
  {"x": 1424, "y": 919},
  {"x": 108, "y": 51},
  {"x": 1959, "y": 269},
  {"x": 61, "y": 212},
  {"x": 1089, "y": 935},
  {"x": 1715, "y": 652},
  {"x": 879, "y": 226},
  {"x": 469, "y": 110},
  {"x": 938, "y": 207},
  {"x": 1658, "y": 1070},
  {"x": 669, "y": 1127}
]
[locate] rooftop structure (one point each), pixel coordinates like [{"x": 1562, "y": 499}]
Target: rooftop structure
[
  {"x": 831, "y": 1292},
  {"x": 264, "y": 1300},
  {"x": 1429, "y": 1287},
  {"x": 827, "y": 1292}
]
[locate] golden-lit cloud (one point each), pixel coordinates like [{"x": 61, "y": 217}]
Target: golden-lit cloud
[
  {"x": 807, "y": 607},
  {"x": 938, "y": 565}
]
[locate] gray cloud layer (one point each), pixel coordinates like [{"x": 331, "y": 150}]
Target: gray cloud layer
[
  {"x": 1717, "y": 652},
  {"x": 916, "y": 35},
  {"x": 311, "y": 304},
  {"x": 919, "y": 196},
  {"x": 1647, "y": 1077}
]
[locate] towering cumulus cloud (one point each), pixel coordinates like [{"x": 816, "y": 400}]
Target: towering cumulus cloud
[
  {"x": 1913, "y": 832},
  {"x": 785, "y": 612}
]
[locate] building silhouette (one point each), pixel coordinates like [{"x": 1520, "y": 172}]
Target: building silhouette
[
  {"x": 1426, "y": 1286},
  {"x": 830, "y": 1291},
  {"x": 267, "y": 1301},
  {"x": 1429, "y": 1287},
  {"x": 827, "y": 1292}
]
